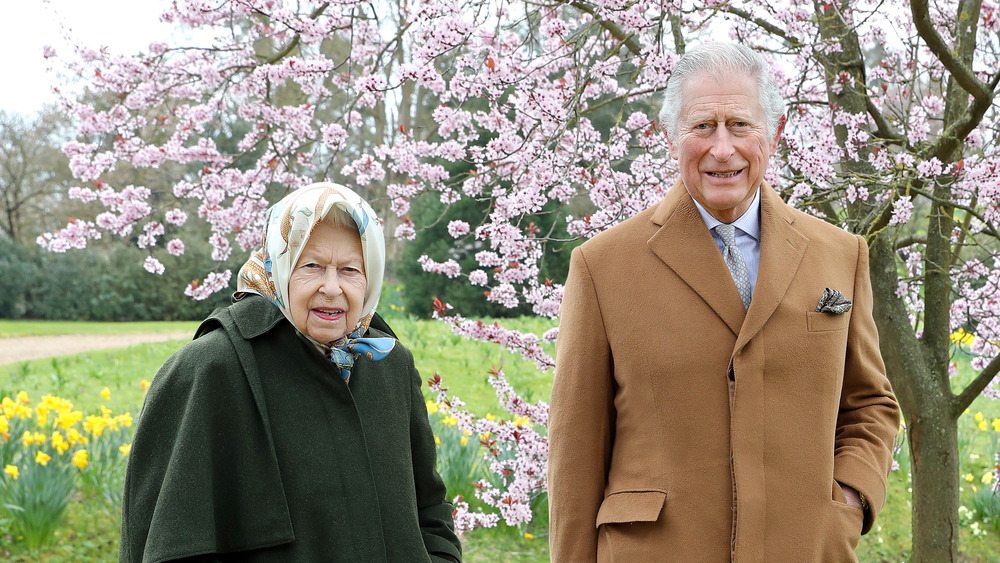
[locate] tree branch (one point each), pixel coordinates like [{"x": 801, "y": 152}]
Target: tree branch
[
  {"x": 910, "y": 241},
  {"x": 964, "y": 75},
  {"x": 883, "y": 129},
  {"x": 626, "y": 39},
  {"x": 971, "y": 391},
  {"x": 960, "y": 129},
  {"x": 764, "y": 24},
  {"x": 284, "y": 51},
  {"x": 987, "y": 225}
]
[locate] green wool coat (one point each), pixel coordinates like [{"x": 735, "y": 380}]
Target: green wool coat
[{"x": 250, "y": 447}]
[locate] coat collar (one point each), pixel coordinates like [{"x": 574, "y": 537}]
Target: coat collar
[
  {"x": 684, "y": 244},
  {"x": 252, "y": 314}
]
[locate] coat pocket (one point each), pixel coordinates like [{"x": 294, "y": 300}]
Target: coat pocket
[
  {"x": 628, "y": 523},
  {"x": 631, "y": 506},
  {"x": 822, "y": 322}
]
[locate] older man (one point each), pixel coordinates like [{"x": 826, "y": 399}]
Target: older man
[{"x": 719, "y": 393}]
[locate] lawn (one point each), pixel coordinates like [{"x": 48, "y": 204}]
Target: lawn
[{"x": 90, "y": 530}]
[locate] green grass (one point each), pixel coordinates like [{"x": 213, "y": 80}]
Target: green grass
[
  {"x": 10, "y": 328},
  {"x": 91, "y": 535}
]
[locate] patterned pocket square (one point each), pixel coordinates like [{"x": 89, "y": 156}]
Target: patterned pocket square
[{"x": 834, "y": 302}]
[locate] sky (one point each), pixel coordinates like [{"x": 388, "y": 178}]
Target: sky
[{"x": 125, "y": 26}]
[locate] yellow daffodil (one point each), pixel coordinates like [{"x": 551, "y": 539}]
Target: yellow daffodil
[
  {"x": 42, "y": 415},
  {"x": 18, "y": 409},
  {"x": 962, "y": 337},
  {"x": 59, "y": 443},
  {"x": 125, "y": 449},
  {"x": 13, "y": 471},
  {"x": 42, "y": 458},
  {"x": 979, "y": 417},
  {"x": 449, "y": 421},
  {"x": 4, "y": 425},
  {"x": 7, "y": 406},
  {"x": 431, "y": 407},
  {"x": 970, "y": 477},
  {"x": 490, "y": 417},
  {"x": 95, "y": 425},
  {"x": 987, "y": 477},
  {"x": 106, "y": 394},
  {"x": 56, "y": 403},
  {"x": 996, "y": 424},
  {"x": 80, "y": 459},
  {"x": 522, "y": 421},
  {"x": 437, "y": 440},
  {"x": 144, "y": 384},
  {"x": 74, "y": 437},
  {"x": 464, "y": 440},
  {"x": 22, "y": 397},
  {"x": 528, "y": 536},
  {"x": 27, "y": 438},
  {"x": 68, "y": 418},
  {"x": 982, "y": 425},
  {"x": 125, "y": 420}
]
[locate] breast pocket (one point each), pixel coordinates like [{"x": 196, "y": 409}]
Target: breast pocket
[
  {"x": 628, "y": 521},
  {"x": 826, "y": 322}
]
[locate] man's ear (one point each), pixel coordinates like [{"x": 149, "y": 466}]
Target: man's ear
[
  {"x": 671, "y": 146},
  {"x": 777, "y": 136}
]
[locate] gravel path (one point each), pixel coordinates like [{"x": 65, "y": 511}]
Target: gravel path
[{"x": 22, "y": 348}]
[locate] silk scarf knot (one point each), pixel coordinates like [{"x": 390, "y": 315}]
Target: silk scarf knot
[{"x": 345, "y": 349}]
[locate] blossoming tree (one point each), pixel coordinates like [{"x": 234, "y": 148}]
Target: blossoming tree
[{"x": 550, "y": 106}]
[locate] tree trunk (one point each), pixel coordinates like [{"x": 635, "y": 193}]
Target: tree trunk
[
  {"x": 933, "y": 441},
  {"x": 928, "y": 409}
]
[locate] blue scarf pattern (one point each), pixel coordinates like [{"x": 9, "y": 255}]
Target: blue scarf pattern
[{"x": 345, "y": 349}]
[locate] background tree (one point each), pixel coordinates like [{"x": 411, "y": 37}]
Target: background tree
[
  {"x": 892, "y": 134},
  {"x": 33, "y": 172}
]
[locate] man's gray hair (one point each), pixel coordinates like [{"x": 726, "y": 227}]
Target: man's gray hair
[{"x": 721, "y": 61}]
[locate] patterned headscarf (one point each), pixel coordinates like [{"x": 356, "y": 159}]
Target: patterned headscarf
[{"x": 288, "y": 226}]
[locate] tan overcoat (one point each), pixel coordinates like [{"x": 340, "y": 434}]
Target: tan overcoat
[{"x": 684, "y": 428}]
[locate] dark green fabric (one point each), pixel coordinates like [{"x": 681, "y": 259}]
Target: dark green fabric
[{"x": 249, "y": 447}]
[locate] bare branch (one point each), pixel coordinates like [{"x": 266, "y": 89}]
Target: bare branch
[
  {"x": 910, "y": 241},
  {"x": 883, "y": 129},
  {"x": 764, "y": 24},
  {"x": 971, "y": 391},
  {"x": 960, "y": 72}
]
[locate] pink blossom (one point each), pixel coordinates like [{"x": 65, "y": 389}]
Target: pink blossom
[
  {"x": 176, "y": 217},
  {"x": 153, "y": 266},
  {"x": 478, "y": 277},
  {"x": 213, "y": 283},
  {"x": 175, "y": 247},
  {"x": 901, "y": 210},
  {"x": 458, "y": 228}
]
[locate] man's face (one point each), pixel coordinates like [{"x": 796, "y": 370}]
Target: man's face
[{"x": 722, "y": 146}]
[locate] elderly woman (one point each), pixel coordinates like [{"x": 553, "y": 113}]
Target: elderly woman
[{"x": 292, "y": 428}]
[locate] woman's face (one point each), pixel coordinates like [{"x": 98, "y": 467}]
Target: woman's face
[{"x": 326, "y": 290}]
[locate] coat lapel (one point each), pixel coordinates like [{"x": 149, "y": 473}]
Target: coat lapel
[
  {"x": 781, "y": 250},
  {"x": 685, "y": 245}
]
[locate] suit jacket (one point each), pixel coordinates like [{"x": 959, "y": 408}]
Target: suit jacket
[{"x": 685, "y": 428}]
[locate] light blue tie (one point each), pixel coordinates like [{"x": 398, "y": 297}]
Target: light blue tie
[{"x": 734, "y": 260}]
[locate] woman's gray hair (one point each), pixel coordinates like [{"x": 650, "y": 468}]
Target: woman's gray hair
[
  {"x": 721, "y": 61},
  {"x": 340, "y": 218}
]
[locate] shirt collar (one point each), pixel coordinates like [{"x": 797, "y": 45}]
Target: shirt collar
[{"x": 749, "y": 222}]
